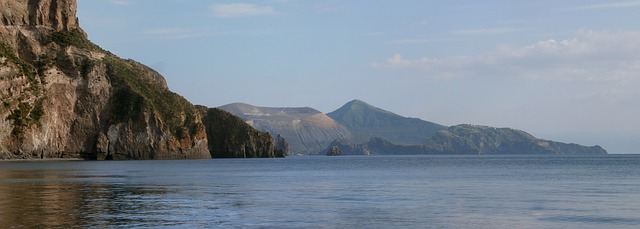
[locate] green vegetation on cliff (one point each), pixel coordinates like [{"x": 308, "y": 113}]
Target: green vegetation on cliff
[
  {"x": 135, "y": 93},
  {"x": 74, "y": 37},
  {"x": 24, "y": 113},
  {"x": 7, "y": 52},
  {"x": 25, "y": 116}
]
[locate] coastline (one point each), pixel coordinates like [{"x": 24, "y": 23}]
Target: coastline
[{"x": 41, "y": 160}]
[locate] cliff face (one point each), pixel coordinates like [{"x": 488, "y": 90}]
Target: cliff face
[
  {"x": 231, "y": 137},
  {"x": 48, "y": 14},
  {"x": 64, "y": 97}
]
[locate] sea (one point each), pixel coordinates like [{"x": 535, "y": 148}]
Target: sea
[{"x": 325, "y": 192}]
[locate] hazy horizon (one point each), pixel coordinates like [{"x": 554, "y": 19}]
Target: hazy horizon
[{"x": 553, "y": 69}]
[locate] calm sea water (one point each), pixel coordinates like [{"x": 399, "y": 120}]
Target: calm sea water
[{"x": 326, "y": 192}]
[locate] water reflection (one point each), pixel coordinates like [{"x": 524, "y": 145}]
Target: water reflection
[
  {"x": 46, "y": 199},
  {"x": 28, "y": 200}
]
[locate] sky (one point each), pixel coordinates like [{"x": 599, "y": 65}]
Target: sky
[{"x": 567, "y": 70}]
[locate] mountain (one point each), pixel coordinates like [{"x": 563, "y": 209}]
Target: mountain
[
  {"x": 365, "y": 122},
  {"x": 65, "y": 97},
  {"x": 306, "y": 130},
  {"x": 468, "y": 140}
]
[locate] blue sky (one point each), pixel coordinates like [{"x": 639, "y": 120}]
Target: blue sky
[{"x": 547, "y": 67}]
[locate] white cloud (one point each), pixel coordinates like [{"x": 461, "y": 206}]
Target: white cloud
[
  {"x": 589, "y": 56},
  {"x": 426, "y": 62},
  {"x": 328, "y": 8},
  {"x": 486, "y": 31},
  {"x": 624, "y": 4},
  {"x": 241, "y": 10},
  {"x": 120, "y": 2},
  {"x": 171, "y": 33},
  {"x": 413, "y": 41}
]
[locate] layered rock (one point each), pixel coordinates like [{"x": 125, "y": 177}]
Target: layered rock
[{"x": 47, "y": 14}]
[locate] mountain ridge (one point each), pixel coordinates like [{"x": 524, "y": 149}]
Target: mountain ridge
[{"x": 366, "y": 121}]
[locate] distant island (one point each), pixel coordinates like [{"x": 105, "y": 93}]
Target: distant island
[{"x": 358, "y": 128}]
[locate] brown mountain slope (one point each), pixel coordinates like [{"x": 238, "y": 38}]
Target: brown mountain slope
[{"x": 306, "y": 130}]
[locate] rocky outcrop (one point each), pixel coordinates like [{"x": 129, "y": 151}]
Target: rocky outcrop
[
  {"x": 282, "y": 148},
  {"x": 346, "y": 147},
  {"x": 231, "y": 137},
  {"x": 308, "y": 131},
  {"x": 64, "y": 97},
  {"x": 334, "y": 151}
]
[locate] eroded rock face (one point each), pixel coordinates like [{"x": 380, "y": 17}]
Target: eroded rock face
[
  {"x": 50, "y": 14},
  {"x": 64, "y": 97}
]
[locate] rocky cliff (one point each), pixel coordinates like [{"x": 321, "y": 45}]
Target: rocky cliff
[
  {"x": 235, "y": 139},
  {"x": 64, "y": 97},
  {"x": 307, "y": 130}
]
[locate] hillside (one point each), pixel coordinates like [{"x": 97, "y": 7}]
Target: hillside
[
  {"x": 307, "y": 130},
  {"x": 65, "y": 97},
  {"x": 365, "y": 122}
]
